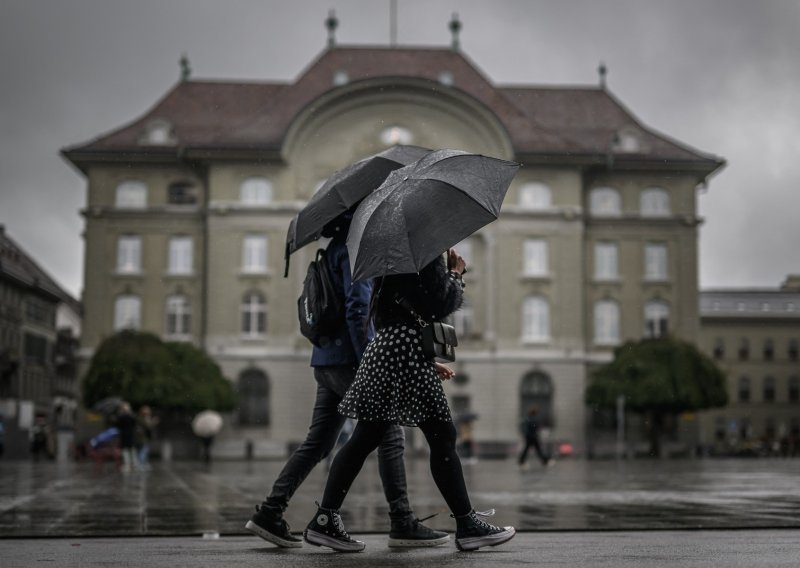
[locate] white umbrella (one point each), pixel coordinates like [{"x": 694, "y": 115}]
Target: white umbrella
[{"x": 207, "y": 423}]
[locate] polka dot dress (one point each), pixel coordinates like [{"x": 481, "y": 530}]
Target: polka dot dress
[{"x": 395, "y": 382}]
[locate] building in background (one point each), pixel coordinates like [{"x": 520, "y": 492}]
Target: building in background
[
  {"x": 754, "y": 335},
  {"x": 39, "y": 330},
  {"x": 188, "y": 206}
]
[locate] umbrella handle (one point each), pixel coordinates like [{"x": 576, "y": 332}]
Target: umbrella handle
[{"x": 286, "y": 258}]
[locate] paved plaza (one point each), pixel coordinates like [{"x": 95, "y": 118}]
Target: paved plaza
[{"x": 576, "y": 513}]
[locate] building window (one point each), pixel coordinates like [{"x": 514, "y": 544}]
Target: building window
[
  {"x": 605, "y": 202},
  {"x": 656, "y": 319},
  {"x": 606, "y": 260},
  {"x": 535, "y": 195},
  {"x": 179, "y": 316},
  {"x": 129, "y": 254},
  {"x": 744, "y": 389},
  {"x": 127, "y": 312},
  {"x": 180, "y": 255},
  {"x": 131, "y": 195},
  {"x": 606, "y": 322},
  {"x": 35, "y": 349},
  {"x": 793, "y": 351},
  {"x": 655, "y": 261},
  {"x": 254, "y": 315},
  {"x": 535, "y": 319},
  {"x": 744, "y": 349},
  {"x": 769, "y": 389},
  {"x": 255, "y": 191},
  {"x": 794, "y": 389},
  {"x": 182, "y": 193},
  {"x": 719, "y": 349},
  {"x": 464, "y": 320},
  {"x": 654, "y": 202},
  {"x": 769, "y": 350},
  {"x": 535, "y": 261},
  {"x": 254, "y": 254},
  {"x": 254, "y": 399}
]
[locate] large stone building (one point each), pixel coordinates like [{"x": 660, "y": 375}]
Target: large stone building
[
  {"x": 188, "y": 206},
  {"x": 754, "y": 335},
  {"x": 39, "y": 329}
]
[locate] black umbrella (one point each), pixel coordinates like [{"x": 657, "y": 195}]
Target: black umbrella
[
  {"x": 425, "y": 208},
  {"x": 108, "y": 405},
  {"x": 344, "y": 189}
]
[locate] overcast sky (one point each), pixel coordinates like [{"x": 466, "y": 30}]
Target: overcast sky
[{"x": 719, "y": 75}]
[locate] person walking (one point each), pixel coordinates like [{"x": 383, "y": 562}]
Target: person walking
[
  {"x": 530, "y": 430},
  {"x": 144, "y": 433},
  {"x": 396, "y": 384},
  {"x": 334, "y": 370},
  {"x": 126, "y": 423}
]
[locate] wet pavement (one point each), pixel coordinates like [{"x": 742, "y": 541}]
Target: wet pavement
[{"x": 186, "y": 498}]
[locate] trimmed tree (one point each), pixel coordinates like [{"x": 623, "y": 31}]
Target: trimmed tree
[
  {"x": 138, "y": 367},
  {"x": 659, "y": 377}
]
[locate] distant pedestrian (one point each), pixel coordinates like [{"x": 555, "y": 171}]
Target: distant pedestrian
[
  {"x": 126, "y": 424},
  {"x": 144, "y": 433},
  {"x": 530, "y": 430},
  {"x": 2, "y": 437}
]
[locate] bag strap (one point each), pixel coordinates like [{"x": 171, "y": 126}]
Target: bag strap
[{"x": 403, "y": 302}]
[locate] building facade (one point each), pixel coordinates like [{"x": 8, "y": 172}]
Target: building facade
[
  {"x": 754, "y": 335},
  {"x": 39, "y": 326},
  {"x": 188, "y": 207}
]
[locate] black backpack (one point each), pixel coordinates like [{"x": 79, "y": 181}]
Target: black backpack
[{"x": 320, "y": 308}]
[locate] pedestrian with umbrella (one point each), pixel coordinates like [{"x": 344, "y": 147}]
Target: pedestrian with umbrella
[
  {"x": 328, "y": 214},
  {"x": 205, "y": 426},
  {"x": 398, "y": 235}
]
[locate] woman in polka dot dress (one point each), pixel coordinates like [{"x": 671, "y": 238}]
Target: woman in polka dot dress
[{"x": 397, "y": 384}]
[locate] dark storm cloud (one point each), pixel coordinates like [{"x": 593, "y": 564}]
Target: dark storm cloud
[{"x": 719, "y": 75}]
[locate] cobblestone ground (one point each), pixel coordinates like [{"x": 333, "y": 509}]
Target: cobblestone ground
[{"x": 186, "y": 498}]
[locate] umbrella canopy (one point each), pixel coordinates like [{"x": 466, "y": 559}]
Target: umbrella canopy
[
  {"x": 425, "y": 208},
  {"x": 207, "y": 423},
  {"x": 346, "y": 188},
  {"x": 108, "y": 405}
]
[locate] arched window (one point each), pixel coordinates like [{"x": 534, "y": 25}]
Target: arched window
[
  {"x": 129, "y": 254},
  {"x": 606, "y": 322},
  {"x": 182, "y": 193},
  {"x": 744, "y": 389},
  {"x": 535, "y": 195},
  {"x": 605, "y": 202},
  {"x": 744, "y": 349},
  {"x": 794, "y": 351},
  {"x": 535, "y": 319},
  {"x": 256, "y": 191},
  {"x": 254, "y": 401},
  {"x": 769, "y": 350},
  {"x": 254, "y": 314},
  {"x": 536, "y": 391},
  {"x": 535, "y": 258},
  {"x": 656, "y": 318},
  {"x": 654, "y": 202},
  {"x": 178, "y": 316},
  {"x": 127, "y": 312},
  {"x": 131, "y": 195},
  {"x": 254, "y": 254}
]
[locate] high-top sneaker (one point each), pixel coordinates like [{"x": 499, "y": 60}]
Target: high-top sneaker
[
  {"x": 411, "y": 533},
  {"x": 327, "y": 529},
  {"x": 269, "y": 525},
  {"x": 472, "y": 532}
]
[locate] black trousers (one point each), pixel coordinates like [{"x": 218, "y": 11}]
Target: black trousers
[
  {"x": 326, "y": 423},
  {"x": 444, "y": 463},
  {"x": 532, "y": 443}
]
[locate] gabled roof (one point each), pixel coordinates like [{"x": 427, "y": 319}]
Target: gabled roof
[
  {"x": 547, "y": 121},
  {"x": 18, "y": 267}
]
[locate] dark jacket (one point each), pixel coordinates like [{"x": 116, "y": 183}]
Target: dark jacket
[
  {"x": 349, "y": 342},
  {"x": 433, "y": 294},
  {"x": 530, "y": 428}
]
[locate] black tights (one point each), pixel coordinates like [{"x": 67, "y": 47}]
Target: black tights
[{"x": 445, "y": 465}]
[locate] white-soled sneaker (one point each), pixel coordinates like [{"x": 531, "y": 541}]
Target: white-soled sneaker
[
  {"x": 473, "y": 532},
  {"x": 327, "y": 529}
]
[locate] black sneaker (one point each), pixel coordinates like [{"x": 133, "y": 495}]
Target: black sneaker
[
  {"x": 270, "y": 526},
  {"x": 472, "y": 532},
  {"x": 411, "y": 533},
  {"x": 327, "y": 529}
]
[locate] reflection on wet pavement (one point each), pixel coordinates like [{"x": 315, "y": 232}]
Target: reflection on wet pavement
[{"x": 186, "y": 498}]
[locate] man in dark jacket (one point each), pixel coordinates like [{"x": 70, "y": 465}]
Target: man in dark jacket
[
  {"x": 334, "y": 370},
  {"x": 530, "y": 429}
]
